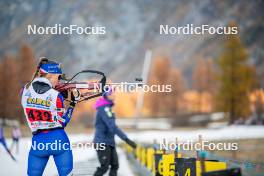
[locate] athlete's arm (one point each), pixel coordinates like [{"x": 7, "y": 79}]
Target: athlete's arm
[{"x": 64, "y": 117}]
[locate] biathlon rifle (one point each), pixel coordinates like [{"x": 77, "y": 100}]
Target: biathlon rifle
[{"x": 87, "y": 90}]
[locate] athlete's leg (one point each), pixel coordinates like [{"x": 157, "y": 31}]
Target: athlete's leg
[
  {"x": 104, "y": 159},
  {"x": 64, "y": 162},
  {"x": 36, "y": 164},
  {"x": 113, "y": 162}
]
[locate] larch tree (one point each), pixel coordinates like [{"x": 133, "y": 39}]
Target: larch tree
[
  {"x": 236, "y": 79},
  {"x": 203, "y": 79},
  {"x": 174, "y": 97},
  {"x": 2, "y": 97},
  {"x": 11, "y": 88},
  {"x": 27, "y": 64},
  {"x": 158, "y": 76}
]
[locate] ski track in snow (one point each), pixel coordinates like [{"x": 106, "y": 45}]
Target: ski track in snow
[{"x": 9, "y": 167}]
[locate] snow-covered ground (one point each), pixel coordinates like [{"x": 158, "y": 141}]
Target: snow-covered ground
[
  {"x": 225, "y": 133},
  {"x": 9, "y": 167}
]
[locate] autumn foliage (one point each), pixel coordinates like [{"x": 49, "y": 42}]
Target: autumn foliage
[
  {"x": 164, "y": 103},
  {"x": 236, "y": 79},
  {"x": 223, "y": 86},
  {"x": 14, "y": 73}
]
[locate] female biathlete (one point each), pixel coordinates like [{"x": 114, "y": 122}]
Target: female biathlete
[
  {"x": 44, "y": 109},
  {"x": 105, "y": 131}
]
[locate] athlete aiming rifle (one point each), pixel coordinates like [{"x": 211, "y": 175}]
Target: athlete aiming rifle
[{"x": 47, "y": 117}]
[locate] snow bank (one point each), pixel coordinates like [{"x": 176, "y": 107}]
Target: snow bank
[
  {"x": 226, "y": 133},
  {"x": 9, "y": 167}
]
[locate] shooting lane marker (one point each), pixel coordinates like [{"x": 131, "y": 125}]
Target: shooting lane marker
[{"x": 177, "y": 148}]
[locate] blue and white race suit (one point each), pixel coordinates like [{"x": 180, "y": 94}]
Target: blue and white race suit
[{"x": 44, "y": 110}]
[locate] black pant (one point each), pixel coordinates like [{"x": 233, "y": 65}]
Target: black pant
[{"x": 107, "y": 157}]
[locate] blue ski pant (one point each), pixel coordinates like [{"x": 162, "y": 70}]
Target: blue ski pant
[{"x": 49, "y": 144}]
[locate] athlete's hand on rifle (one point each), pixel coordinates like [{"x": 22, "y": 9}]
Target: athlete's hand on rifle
[
  {"x": 131, "y": 143},
  {"x": 64, "y": 94},
  {"x": 75, "y": 97}
]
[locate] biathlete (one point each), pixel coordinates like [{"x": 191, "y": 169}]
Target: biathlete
[
  {"x": 105, "y": 131},
  {"x": 46, "y": 116}
]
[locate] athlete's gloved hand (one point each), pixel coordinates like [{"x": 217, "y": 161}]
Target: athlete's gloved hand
[
  {"x": 64, "y": 94},
  {"x": 131, "y": 143},
  {"x": 75, "y": 97}
]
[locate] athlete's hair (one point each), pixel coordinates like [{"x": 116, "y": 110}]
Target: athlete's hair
[{"x": 43, "y": 60}]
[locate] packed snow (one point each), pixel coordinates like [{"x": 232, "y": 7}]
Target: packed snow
[
  {"x": 225, "y": 133},
  {"x": 9, "y": 167}
]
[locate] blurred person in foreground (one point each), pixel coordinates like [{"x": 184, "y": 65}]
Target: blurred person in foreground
[
  {"x": 2, "y": 139},
  {"x": 16, "y": 135},
  {"x": 105, "y": 131},
  {"x": 47, "y": 117}
]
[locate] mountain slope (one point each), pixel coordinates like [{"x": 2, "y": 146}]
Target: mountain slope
[{"x": 131, "y": 28}]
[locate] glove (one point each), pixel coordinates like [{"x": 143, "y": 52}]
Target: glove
[
  {"x": 131, "y": 143},
  {"x": 64, "y": 94},
  {"x": 75, "y": 97}
]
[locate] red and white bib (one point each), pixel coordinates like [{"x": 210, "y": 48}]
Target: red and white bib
[{"x": 40, "y": 109}]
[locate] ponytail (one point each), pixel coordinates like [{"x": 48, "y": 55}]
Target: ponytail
[{"x": 43, "y": 60}]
